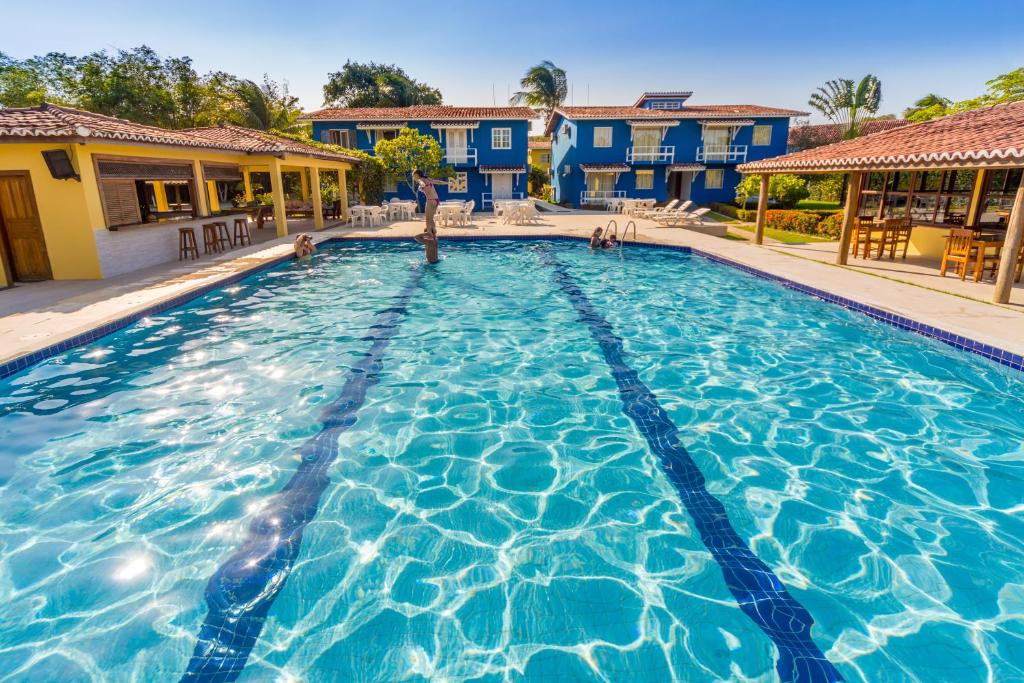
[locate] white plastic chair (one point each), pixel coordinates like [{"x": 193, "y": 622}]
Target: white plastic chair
[{"x": 466, "y": 217}]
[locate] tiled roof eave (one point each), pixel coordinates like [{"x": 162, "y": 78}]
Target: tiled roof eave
[{"x": 979, "y": 159}]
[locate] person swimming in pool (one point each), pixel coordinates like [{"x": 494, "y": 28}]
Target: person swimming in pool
[
  {"x": 595, "y": 238},
  {"x": 303, "y": 246}
]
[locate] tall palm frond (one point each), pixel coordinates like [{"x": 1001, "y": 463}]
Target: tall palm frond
[
  {"x": 544, "y": 87},
  {"x": 846, "y": 103}
]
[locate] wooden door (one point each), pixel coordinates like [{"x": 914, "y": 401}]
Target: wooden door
[{"x": 23, "y": 233}]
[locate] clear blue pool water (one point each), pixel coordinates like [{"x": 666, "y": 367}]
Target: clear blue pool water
[{"x": 365, "y": 469}]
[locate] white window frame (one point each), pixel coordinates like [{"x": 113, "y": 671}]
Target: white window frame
[
  {"x": 761, "y": 128},
  {"x": 499, "y": 135},
  {"x": 610, "y": 136},
  {"x": 645, "y": 174},
  {"x": 662, "y": 104},
  {"x": 344, "y": 135},
  {"x": 459, "y": 184},
  {"x": 714, "y": 173}
]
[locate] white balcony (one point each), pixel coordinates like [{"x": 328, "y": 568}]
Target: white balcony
[
  {"x": 600, "y": 197},
  {"x": 487, "y": 199},
  {"x": 723, "y": 154},
  {"x": 460, "y": 156},
  {"x": 650, "y": 155}
]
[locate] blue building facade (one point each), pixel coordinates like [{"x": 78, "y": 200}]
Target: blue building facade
[
  {"x": 486, "y": 146},
  {"x": 660, "y": 148}
]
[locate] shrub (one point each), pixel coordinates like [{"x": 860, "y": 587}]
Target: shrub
[
  {"x": 786, "y": 189},
  {"x": 732, "y": 211},
  {"x": 831, "y": 226},
  {"x": 547, "y": 194},
  {"x": 265, "y": 199},
  {"x": 825, "y": 188},
  {"x": 793, "y": 221}
]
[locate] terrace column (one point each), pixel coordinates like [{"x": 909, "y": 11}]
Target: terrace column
[
  {"x": 1011, "y": 248},
  {"x": 277, "y": 189},
  {"x": 247, "y": 183},
  {"x": 343, "y": 192},
  {"x": 201, "y": 200},
  {"x": 849, "y": 216},
  {"x": 762, "y": 209},
  {"x": 318, "y": 204}
]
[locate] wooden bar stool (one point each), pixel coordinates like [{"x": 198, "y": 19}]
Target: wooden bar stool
[
  {"x": 242, "y": 236},
  {"x": 223, "y": 236},
  {"x": 187, "y": 246},
  {"x": 211, "y": 244}
]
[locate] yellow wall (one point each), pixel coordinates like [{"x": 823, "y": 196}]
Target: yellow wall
[
  {"x": 927, "y": 241},
  {"x": 63, "y": 211},
  {"x": 534, "y": 156}
]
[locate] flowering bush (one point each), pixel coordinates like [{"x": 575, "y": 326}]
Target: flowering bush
[
  {"x": 831, "y": 226},
  {"x": 793, "y": 221}
]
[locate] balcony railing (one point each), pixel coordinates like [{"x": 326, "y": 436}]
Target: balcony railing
[
  {"x": 600, "y": 196},
  {"x": 723, "y": 154},
  {"x": 487, "y": 199},
  {"x": 650, "y": 155},
  {"x": 460, "y": 156}
]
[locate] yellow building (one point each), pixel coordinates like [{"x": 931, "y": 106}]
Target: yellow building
[
  {"x": 86, "y": 196},
  {"x": 540, "y": 154}
]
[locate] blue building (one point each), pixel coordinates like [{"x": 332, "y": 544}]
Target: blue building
[
  {"x": 660, "y": 148},
  {"x": 487, "y": 146}
]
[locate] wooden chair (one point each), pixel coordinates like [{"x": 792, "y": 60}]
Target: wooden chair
[
  {"x": 862, "y": 228},
  {"x": 960, "y": 250},
  {"x": 187, "y": 246},
  {"x": 896, "y": 234},
  {"x": 211, "y": 243},
  {"x": 242, "y": 236}
]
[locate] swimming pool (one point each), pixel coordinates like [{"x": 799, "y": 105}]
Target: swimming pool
[{"x": 531, "y": 463}]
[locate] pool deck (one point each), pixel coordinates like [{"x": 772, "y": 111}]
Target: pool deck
[{"x": 36, "y": 316}]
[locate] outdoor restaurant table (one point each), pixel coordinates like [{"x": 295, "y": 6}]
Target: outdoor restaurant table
[
  {"x": 983, "y": 243},
  {"x": 865, "y": 236}
]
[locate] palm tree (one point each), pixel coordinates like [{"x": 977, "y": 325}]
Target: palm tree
[
  {"x": 844, "y": 102},
  {"x": 544, "y": 87},
  {"x": 930, "y": 106},
  {"x": 264, "y": 107}
]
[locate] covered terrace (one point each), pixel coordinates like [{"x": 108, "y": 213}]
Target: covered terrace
[{"x": 958, "y": 172}]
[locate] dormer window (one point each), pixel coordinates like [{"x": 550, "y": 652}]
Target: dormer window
[{"x": 666, "y": 104}]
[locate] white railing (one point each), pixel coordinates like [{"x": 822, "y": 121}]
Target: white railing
[
  {"x": 460, "y": 156},
  {"x": 725, "y": 154},
  {"x": 600, "y": 196},
  {"x": 487, "y": 199},
  {"x": 650, "y": 155}
]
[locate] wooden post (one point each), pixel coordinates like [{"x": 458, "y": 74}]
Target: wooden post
[
  {"x": 318, "y": 204},
  {"x": 277, "y": 189},
  {"x": 343, "y": 192},
  {"x": 201, "y": 200},
  {"x": 762, "y": 209},
  {"x": 247, "y": 182},
  {"x": 1011, "y": 249},
  {"x": 849, "y": 216}
]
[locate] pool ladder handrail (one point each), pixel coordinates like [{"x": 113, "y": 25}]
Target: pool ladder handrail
[
  {"x": 604, "y": 233},
  {"x": 625, "y": 232}
]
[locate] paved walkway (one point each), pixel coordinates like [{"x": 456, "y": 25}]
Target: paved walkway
[{"x": 38, "y": 315}]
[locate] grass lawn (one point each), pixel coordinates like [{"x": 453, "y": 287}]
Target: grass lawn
[
  {"x": 808, "y": 205},
  {"x": 784, "y": 236}
]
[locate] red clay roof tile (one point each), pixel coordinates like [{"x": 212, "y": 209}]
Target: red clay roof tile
[
  {"x": 418, "y": 113},
  {"x": 993, "y": 136},
  {"x": 50, "y": 121}
]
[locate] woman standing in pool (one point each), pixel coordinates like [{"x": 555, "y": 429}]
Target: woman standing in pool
[
  {"x": 426, "y": 186},
  {"x": 429, "y": 237}
]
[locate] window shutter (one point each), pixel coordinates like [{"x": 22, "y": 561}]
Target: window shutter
[{"x": 120, "y": 202}]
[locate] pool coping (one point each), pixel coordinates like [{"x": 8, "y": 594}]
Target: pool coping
[{"x": 963, "y": 343}]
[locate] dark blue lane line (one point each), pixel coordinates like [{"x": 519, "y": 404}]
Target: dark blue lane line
[
  {"x": 240, "y": 593},
  {"x": 760, "y": 594}
]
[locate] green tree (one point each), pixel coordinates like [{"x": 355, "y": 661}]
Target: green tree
[
  {"x": 131, "y": 84},
  {"x": 376, "y": 85},
  {"x": 50, "y": 78},
  {"x": 1008, "y": 87},
  {"x": 408, "y": 151},
  {"x": 929, "y": 107},
  {"x": 848, "y": 103},
  {"x": 784, "y": 188},
  {"x": 266, "y": 106},
  {"x": 544, "y": 87}
]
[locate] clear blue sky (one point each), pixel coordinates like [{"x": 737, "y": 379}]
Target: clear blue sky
[{"x": 766, "y": 52}]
